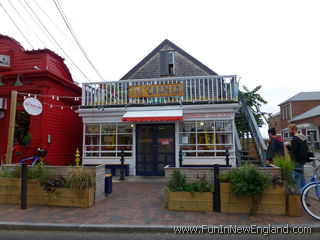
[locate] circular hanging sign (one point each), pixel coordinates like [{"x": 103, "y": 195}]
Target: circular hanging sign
[{"x": 32, "y": 106}]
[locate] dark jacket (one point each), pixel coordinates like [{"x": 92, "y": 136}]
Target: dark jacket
[
  {"x": 275, "y": 147},
  {"x": 298, "y": 149}
]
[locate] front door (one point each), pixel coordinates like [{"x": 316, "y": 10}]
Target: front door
[{"x": 155, "y": 148}]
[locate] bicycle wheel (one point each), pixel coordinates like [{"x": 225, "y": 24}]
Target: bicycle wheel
[{"x": 311, "y": 201}]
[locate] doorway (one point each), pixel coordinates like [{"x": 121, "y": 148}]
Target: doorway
[{"x": 155, "y": 148}]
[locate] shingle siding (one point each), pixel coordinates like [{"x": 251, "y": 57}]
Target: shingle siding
[{"x": 183, "y": 67}]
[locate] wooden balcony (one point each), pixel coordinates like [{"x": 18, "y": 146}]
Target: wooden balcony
[{"x": 179, "y": 90}]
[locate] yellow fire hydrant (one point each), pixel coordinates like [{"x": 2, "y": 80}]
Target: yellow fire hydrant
[{"x": 77, "y": 160}]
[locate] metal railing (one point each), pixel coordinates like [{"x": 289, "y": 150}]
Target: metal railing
[
  {"x": 255, "y": 133},
  {"x": 195, "y": 89},
  {"x": 238, "y": 148}
]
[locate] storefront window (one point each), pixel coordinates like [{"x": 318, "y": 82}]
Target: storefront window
[
  {"x": 206, "y": 138},
  {"x": 110, "y": 141}
]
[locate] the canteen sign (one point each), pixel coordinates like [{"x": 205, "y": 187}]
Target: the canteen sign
[{"x": 32, "y": 106}]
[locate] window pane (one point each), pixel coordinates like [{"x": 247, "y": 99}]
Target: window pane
[
  {"x": 222, "y": 126},
  {"x": 108, "y": 128},
  {"x": 124, "y": 128},
  {"x": 171, "y": 58},
  {"x": 92, "y": 128},
  {"x": 205, "y": 126},
  {"x": 206, "y": 147},
  {"x": 108, "y": 148},
  {"x": 188, "y": 138},
  {"x": 222, "y": 138},
  {"x": 108, "y": 154},
  {"x": 92, "y": 140},
  {"x": 205, "y": 138},
  {"x": 125, "y": 139},
  {"x": 188, "y": 127},
  {"x": 108, "y": 139}
]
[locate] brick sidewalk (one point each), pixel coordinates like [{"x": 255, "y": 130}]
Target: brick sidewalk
[{"x": 134, "y": 203}]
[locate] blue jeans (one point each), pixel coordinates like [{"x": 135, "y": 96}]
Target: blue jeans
[{"x": 299, "y": 177}]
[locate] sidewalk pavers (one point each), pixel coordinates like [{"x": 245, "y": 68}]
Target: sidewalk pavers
[{"x": 138, "y": 203}]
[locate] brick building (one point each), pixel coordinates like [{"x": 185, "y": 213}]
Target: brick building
[{"x": 302, "y": 109}]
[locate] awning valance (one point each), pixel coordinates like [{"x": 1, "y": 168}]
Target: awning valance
[{"x": 146, "y": 116}]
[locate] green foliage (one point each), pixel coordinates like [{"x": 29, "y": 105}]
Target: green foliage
[
  {"x": 16, "y": 173},
  {"x": 80, "y": 178},
  {"x": 224, "y": 178},
  {"x": 4, "y": 172},
  {"x": 254, "y": 100},
  {"x": 177, "y": 183},
  {"x": 200, "y": 185},
  {"x": 287, "y": 166},
  {"x": 54, "y": 182},
  {"x": 248, "y": 180}
]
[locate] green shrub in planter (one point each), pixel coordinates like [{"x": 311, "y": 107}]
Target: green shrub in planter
[
  {"x": 81, "y": 179},
  {"x": 287, "y": 166},
  {"x": 248, "y": 180}
]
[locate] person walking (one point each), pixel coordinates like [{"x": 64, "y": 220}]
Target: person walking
[
  {"x": 275, "y": 147},
  {"x": 298, "y": 150}
]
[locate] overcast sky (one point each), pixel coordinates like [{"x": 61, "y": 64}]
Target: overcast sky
[{"x": 273, "y": 43}]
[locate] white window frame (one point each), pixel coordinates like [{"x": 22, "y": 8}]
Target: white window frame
[
  {"x": 230, "y": 143},
  {"x": 308, "y": 135},
  {"x": 100, "y": 134}
]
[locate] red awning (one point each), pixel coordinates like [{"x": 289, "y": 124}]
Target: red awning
[{"x": 156, "y": 116}]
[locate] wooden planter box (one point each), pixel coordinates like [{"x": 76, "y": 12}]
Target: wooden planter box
[
  {"x": 184, "y": 201},
  {"x": 10, "y": 193},
  {"x": 294, "y": 206},
  {"x": 273, "y": 201}
]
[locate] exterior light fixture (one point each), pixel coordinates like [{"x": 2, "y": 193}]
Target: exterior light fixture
[
  {"x": 1, "y": 83},
  {"x": 132, "y": 125},
  {"x": 201, "y": 123},
  {"x": 18, "y": 83}
]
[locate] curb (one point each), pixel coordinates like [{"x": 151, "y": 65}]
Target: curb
[{"x": 115, "y": 228}]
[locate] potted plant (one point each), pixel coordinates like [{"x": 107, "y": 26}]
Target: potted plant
[
  {"x": 292, "y": 189},
  {"x": 193, "y": 196},
  {"x": 248, "y": 190}
]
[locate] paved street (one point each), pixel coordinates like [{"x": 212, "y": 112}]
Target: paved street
[
  {"x": 40, "y": 235},
  {"x": 137, "y": 203}
]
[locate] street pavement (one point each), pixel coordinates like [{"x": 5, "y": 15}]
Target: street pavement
[
  {"x": 135, "y": 205},
  {"x": 48, "y": 235}
]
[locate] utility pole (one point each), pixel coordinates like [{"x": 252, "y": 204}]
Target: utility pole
[{"x": 12, "y": 121}]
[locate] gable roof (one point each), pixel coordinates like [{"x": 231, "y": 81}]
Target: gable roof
[
  {"x": 157, "y": 49},
  {"x": 303, "y": 96},
  {"x": 308, "y": 114}
]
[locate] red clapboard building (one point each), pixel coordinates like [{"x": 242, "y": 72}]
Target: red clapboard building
[{"x": 41, "y": 74}]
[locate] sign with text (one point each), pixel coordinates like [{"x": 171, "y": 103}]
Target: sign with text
[
  {"x": 164, "y": 90},
  {"x": 4, "y": 61},
  {"x": 32, "y": 106}
]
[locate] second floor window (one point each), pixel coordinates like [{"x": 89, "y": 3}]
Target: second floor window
[
  {"x": 286, "y": 112},
  {"x": 167, "y": 63}
]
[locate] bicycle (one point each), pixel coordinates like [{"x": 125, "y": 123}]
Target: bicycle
[
  {"x": 310, "y": 194},
  {"x": 38, "y": 156}
]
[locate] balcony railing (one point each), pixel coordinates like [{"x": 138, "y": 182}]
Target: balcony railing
[{"x": 177, "y": 90}]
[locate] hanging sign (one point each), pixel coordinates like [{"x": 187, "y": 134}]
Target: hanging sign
[
  {"x": 163, "y": 90},
  {"x": 32, "y": 106},
  {"x": 4, "y": 61}
]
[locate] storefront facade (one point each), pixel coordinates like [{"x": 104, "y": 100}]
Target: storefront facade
[
  {"x": 39, "y": 74},
  {"x": 172, "y": 109}
]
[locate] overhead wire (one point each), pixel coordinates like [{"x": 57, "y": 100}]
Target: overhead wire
[
  {"x": 56, "y": 42},
  {"x": 53, "y": 22},
  {"x": 16, "y": 26},
  {"x": 56, "y": 2},
  {"x": 25, "y": 22}
]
